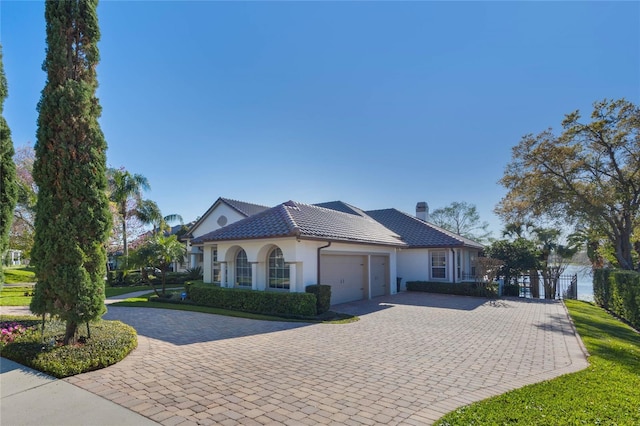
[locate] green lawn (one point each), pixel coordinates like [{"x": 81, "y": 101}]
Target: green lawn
[
  {"x": 15, "y": 296},
  {"x": 117, "y": 291},
  {"x": 22, "y": 274},
  {"x": 606, "y": 393}
]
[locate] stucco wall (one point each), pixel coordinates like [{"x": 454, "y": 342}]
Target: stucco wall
[{"x": 300, "y": 255}]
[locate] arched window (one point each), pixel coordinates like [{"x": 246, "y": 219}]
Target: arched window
[
  {"x": 243, "y": 270},
  {"x": 278, "y": 271}
]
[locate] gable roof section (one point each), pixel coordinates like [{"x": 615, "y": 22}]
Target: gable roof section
[
  {"x": 418, "y": 233},
  {"x": 341, "y": 206},
  {"x": 244, "y": 208},
  {"x": 306, "y": 221}
]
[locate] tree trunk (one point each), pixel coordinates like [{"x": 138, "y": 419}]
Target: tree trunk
[
  {"x": 623, "y": 253},
  {"x": 70, "y": 332},
  {"x": 125, "y": 248},
  {"x": 534, "y": 279},
  {"x": 164, "y": 279},
  {"x": 546, "y": 283}
]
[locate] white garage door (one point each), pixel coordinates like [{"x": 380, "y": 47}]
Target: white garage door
[
  {"x": 379, "y": 274},
  {"x": 345, "y": 275}
]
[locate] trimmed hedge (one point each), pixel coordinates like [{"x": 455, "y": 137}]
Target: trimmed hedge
[
  {"x": 619, "y": 292},
  {"x": 258, "y": 302},
  {"x": 459, "y": 289},
  {"x": 323, "y": 296},
  {"x": 128, "y": 278}
]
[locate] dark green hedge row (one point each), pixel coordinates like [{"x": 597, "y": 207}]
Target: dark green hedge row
[
  {"x": 619, "y": 292},
  {"x": 460, "y": 289},
  {"x": 323, "y": 296},
  {"x": 259, "y": 302},
  {"x": 127, "y": 278}
]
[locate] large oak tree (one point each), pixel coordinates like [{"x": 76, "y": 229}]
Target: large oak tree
[
  {"x": 72, "y": 216},
  {"x": 588, "y": 175}
]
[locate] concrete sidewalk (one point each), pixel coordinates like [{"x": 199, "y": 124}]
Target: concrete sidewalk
[{"x": 28, "y": 397}]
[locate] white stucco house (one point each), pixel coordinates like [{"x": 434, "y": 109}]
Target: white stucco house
[
  {"x": 293, "y": 245},
  {"x": 223, "y": 211}
]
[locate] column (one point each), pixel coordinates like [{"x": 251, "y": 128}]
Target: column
[{"x": 293, "y": 279}]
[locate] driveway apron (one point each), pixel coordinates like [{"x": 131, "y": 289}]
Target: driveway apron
[{"x": 410, "y": 359}]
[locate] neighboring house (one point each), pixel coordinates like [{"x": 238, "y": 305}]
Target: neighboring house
[
  {"x": 13, "y": 257},
  {"x": 360, "y": 254},
  {"x": 222, "y": 212}
]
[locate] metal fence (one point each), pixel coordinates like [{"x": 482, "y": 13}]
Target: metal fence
[{"x": 566, "y": 286}]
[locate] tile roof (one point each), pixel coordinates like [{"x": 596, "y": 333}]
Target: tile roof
[
  {"x": 246, "y": 209},
  {"x": 307, "y": 222},
  {"x": 418, "y": 233},
  {"x": 341, "y": 206}
]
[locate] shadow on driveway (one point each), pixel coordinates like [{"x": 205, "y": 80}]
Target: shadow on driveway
[{"x": 185, "y": 328}]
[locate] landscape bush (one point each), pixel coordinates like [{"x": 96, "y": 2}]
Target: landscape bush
[
  {"x": 619, "y": 292},
  {"x": 109, "y": 343},
  {"x": 460, "y": 289},
  {"x": 323, "y": 296},
  {"x": 134, "y": 277},
  {"x": 259, "y": 302}
]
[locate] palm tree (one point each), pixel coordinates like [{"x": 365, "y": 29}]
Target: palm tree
[
  {"x": 149, "y": 213},
  {"x": 123, "y": 187},
  {"x": 160, "y": 252}
]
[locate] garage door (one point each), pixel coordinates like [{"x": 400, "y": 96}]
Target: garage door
[
  {"x": 379, "y": 274},
  {"x": 345, "y": 275}
]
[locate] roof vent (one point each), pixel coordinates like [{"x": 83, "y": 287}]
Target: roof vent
[{"x": 422, "y": 211}]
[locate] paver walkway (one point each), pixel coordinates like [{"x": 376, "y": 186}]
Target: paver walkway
[{"x": 410, "y": 359}]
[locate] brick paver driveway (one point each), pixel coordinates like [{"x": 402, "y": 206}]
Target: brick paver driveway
[{"x": 410, "y": 359}]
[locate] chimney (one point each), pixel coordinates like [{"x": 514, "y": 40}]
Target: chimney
[{"x": 422, "y": 211}]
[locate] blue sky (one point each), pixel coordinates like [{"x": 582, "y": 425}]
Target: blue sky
[{"x": 379, "y": 104}]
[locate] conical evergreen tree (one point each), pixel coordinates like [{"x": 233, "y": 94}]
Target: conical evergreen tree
[
  {"x": 8, "y": 185},
  {"x": 72, "y": 216}
]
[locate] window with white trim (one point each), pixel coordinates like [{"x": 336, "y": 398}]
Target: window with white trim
[
  {"x": 278, "y": 271},
  {"x": 243, "y": 270},
  {"x": 439, "y": 265},
  {"x": 215, "y": 268}
]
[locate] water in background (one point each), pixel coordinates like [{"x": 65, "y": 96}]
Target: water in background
[{"x": 585, "y": 281}]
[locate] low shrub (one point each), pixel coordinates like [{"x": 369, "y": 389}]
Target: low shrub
[
  {"x": 323, "y": 296},
  {"x": 460, "y": 289},
  {"x": 259, "y": 302},
  {"x": 109, "y": 343},
  {"x": 172, "y": 278},
  {"x": 194, "y": 273},
  {"x": 122, "y": 278},
  {"x": 170, "y": 297}
]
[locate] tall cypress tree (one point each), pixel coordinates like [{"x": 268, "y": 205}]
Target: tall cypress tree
[
  {"x": 72, "y": 215},
  {"x": 8, "y": 185}
]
